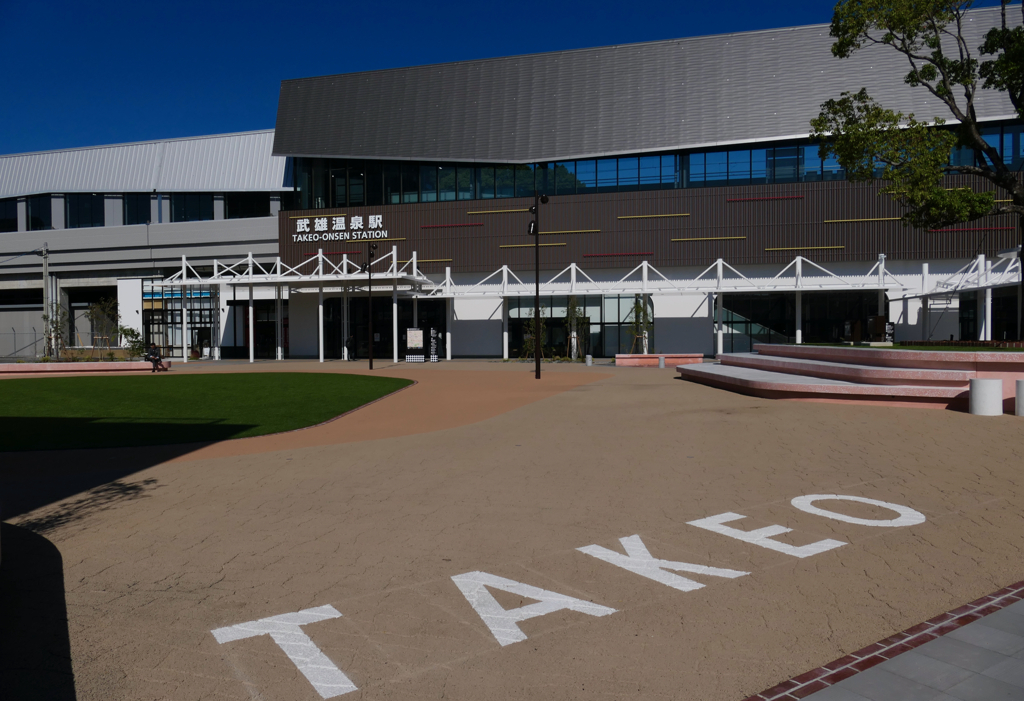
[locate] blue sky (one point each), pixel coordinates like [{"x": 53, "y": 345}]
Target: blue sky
[{"x": 87, "y": 73}]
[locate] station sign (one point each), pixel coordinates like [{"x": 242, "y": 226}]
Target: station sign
[{"x": 339, "y": 228}]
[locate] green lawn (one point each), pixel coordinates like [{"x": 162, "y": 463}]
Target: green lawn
[{"x": 98, "y": 412}]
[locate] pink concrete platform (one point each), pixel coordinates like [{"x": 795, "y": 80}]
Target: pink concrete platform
[
  {"x": 650, "y": 360},
  {"x": 865, "y": 374},
  {"x": 1006, "y": 366},
  {"x": 936, "y": 379},
  {"x": 52, "y": 368},
  {"x": 776, "y": 385}
]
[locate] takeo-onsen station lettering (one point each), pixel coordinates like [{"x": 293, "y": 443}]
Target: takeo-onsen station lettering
[
  {"x": 333, "y": 228},
  {"x": 329, "y": 681}
]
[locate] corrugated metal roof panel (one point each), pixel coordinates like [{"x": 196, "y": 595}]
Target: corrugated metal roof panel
[
  {"x": 223, "y": 163},
  {"x": 686, "y": 93}
]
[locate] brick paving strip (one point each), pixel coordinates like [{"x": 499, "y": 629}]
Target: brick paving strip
[{"x": 867, "y": 657}]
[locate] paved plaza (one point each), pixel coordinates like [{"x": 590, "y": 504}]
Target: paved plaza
[{"x": 612, "y": 533}]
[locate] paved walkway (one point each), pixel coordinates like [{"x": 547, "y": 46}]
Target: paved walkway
[{"x": 609, "y": 533}]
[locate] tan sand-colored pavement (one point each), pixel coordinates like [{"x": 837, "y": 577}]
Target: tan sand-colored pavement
[{"x": 479, "y": 468}]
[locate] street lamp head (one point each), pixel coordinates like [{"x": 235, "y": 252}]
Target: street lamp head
[{"x": 543, "y": 199}]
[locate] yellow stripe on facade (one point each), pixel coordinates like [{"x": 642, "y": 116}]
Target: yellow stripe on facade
[
  {"x": 529, "y": 245},
  {"x": 847, "y": 221},
  {"x": 805, "y": 248},
  {"x": 580, "y": 231},
  {"x": 652, "y": 216},
  {"x": 715, "y": 238}
]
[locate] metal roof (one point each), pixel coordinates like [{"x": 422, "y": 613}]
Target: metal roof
[
  {"x": 663, "y": 95},
  {"x": 220, "y": 163}
]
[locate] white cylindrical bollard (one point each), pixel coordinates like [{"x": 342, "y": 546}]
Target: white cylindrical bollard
[
  {"x": 1020, "y": 398},
  {"x": 661, "y": 362},
  {"x": 590, "y": 360},
  {"x": 986, "y": 397}
]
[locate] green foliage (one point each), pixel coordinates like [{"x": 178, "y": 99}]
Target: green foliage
[
  {"x": 55, "y": 328},
  {"x": 104, "y": 319},
  {"x": 54, "y": 413},
  {"x": 576, "y": 322},
  {"x": 911, "y": 156},
  {"x": 531, "y": 327},
  {"x": 132, "y": 342},
  {"x": 641, "y": 324}
]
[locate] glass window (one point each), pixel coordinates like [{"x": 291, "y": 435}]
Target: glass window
[
  {"x": 785, "y": 164},
  {"x": 392, "y": 183},
  {"x": 82, "y": 211},
  {"x": 991, "y": 135},
  {"x": 319, "y": 183},
  {"x": 586, "y": 176},
  {"x": 1014, "y": 140},
  {"x": 191, "y": 206},
  {"x": 831, "y": 170},
  {"x": 40, "y": 213},
  {"x": 669, "y": 172},
  {"x": 739, "y": 167},
  {"x": 565, "y": 178},
  {"x": 356, "y": 183},
  {"x": 374, "y": 183},
  {"x": 410, "y": 182},
  {"x": 339, "y": 188},
  {"x": 446, "y": 183},
  {"x": 465, "y": 183},
  {"x": 246, "y": 205},
  {"x": 695, "y": 173},
  {"x": 811, "y": 168},
  {"x": 650, "y": 172},
  {"x": 524, "y": 180},
  {"x": 716, "y": 168},
  {"x": 545, "y": 178},
  {"x": 611, "y": 309},
  {"x": 607, "y": 175},
  {"x": 504, "y": 181},
  {"x": 629, "y": 174},
  {"x": 485, "y": 182},
  {"x": 428, "y": 183},
  {"x": 8, "y": 215},
  {"x": 136, "y": 208},
  {"x": 759, "y": 166}
]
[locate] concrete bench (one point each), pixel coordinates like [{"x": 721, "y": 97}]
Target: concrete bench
[
  {"x": 50, "y": 368},
  {"x": 650, "y": 360}
]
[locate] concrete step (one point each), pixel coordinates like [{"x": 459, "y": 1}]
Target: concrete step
[
  {"x": 858, "y": 373},
  {"x": 888, "y": 357},
  {"x": 779, "y": 385}
]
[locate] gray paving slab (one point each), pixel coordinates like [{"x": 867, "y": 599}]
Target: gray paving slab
[
  {"x": 926, "y": 670},
  {"x": 877, "y": 684},
  {"x": 982, "y": 688},
  {"x": 1017, "y": 608},
  {"x": 983, "y": 661},
  {"x": 1008, "y": 671},
  {"x": 989, "y": 638},
  {"x": 961, "y": 654}
]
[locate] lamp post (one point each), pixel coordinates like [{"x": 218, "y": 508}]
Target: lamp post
[
  {"x": 538, "y": 200},
  {"x": 371, "y": 252}
]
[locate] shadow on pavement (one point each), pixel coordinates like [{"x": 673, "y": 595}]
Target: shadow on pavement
[
  {"x": 35, "y": 651},
  {"x": 33, "y": 479}
]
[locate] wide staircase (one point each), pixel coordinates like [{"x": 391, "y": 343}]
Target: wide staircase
[{"x": 936, "y": 379}]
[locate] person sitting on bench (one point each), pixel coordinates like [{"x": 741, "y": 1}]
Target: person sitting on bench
[{"x": 153, "y": 356}]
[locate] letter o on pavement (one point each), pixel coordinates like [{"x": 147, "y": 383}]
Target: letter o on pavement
[{"x": 908, "y": 517}]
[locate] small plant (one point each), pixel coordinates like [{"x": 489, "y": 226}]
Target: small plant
[
  {"x": 44, "y": 359},
  {"x": 640, "y": 325},
  {"x": 577, "y": 328},
  {"x": 132, "y": 342},
  {"x": 529, "y": 328}
]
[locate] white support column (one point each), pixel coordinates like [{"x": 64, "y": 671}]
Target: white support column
[
  {"x": 572, "y": 277},
  {"x": 720, "y": 341},
  {"x": 799, "y": 317},
  {"x": 798, "y": 267},
  {"x": 988, "y": 313},
  {"x": 184, "y": 311},
  {"x": 925, "y": 321},
  {"x": 320, "y": 315},
  {"x": 394, "y": 315},
  {"x": 504, "y": 328},
  {"x": 448, "y": 328},
  {"x": 252, "y": 326},
  {"x": 277, "y": 322},
  {"x": 344, "y": 328}
]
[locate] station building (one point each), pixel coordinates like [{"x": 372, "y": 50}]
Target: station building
[{"x": 679, "y": 177}]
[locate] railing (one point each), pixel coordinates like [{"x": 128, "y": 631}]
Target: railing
[{"x": 22, "y": 344}]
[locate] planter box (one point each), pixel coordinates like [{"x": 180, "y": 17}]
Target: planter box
[
  {"x": 651, "y": 359},
  {"x": 51, "y": 368}
]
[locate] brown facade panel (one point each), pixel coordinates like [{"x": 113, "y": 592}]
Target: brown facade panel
[{"x": 824, "y": 221}]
